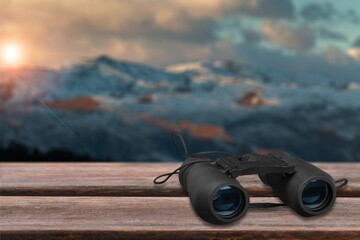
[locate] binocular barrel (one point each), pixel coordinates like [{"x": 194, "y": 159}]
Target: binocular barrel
[
  {"x": 309, "y": 191},
  {"x": 217, "y": 197},
  {"x": 214, "y": 196}
]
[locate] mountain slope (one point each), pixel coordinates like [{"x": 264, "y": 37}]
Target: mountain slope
[{"x": 125, "y": 111}]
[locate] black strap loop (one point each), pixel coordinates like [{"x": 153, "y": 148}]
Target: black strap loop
[
  {"x": 167, "y": 175},
  {"x": 343, "y": 182},
  {"x": 176, "y": 171}
]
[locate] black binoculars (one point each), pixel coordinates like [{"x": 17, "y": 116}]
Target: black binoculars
[{"x": 218, "y": 198}]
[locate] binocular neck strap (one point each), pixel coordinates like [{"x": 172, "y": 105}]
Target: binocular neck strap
[
  {"x": 168, "y": 175},
  {"x": 342, "y": 182},
  {"x": 185, "y": 154}
]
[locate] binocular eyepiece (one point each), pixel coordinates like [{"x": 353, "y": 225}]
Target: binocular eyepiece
[{"x": 218, "y": 198}]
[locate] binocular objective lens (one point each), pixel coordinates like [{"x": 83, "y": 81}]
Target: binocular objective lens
[
  {"x": 227, "y": 201},
  {"x": 315, "y": 195}
]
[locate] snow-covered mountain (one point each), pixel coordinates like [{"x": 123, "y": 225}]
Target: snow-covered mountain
[{"x": 125, "y": 111}]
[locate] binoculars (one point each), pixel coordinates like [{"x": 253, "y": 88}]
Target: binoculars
[{"x": 218, "y": 198}]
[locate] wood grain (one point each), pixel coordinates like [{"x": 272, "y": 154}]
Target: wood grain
[
  {"x": 128, "y": 179},
  {"x": 166, "y": 217}
]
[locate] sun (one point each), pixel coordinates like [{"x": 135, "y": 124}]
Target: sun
[{"x": 11, "y": 54}]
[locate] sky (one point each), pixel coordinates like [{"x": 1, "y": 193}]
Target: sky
[{"x": 320, "y": 37}]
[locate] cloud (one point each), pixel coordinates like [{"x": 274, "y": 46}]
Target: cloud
[
  {"x": 354, "y": 53},
  {"x": 60, "y": 32},
  {"x": 125, "y": 18},
  {"x": 325, "y": 11},
  {"x": 300, "y": 38},
  {"x": 318, "y": 11},
  {"x": 163, "y": 33},
  {"x": 336, "y": 56},
  {"x": 275, "y": 9},
  {"x": 352, "y": 16},
  {"x": 55, "y": 32},
  {"x": 251, "y": 37},
  {"x": 332, "y": 63},
  {"x": 326, "y": 33},
  {"x": 357, "y": 42}
]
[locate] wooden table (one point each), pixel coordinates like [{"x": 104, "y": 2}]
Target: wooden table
[{"x": 119, "y": 201}]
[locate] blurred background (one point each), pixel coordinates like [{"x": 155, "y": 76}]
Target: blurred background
[{"x": 110, "y": 80}]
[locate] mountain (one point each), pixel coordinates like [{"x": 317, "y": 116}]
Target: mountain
[{"x": 107, "y": 109}]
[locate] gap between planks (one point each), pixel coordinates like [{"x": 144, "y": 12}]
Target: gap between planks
[
  {"x": 129, "y": 179},
  {"x": 167, "y": 217}
]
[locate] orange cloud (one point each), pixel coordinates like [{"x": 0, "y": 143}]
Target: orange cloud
[{"x": 300, "y": 38}]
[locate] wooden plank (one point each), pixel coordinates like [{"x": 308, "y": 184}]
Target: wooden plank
[
  {"x": 128, "y": 179},
  {"x": 166, "y": 217}
]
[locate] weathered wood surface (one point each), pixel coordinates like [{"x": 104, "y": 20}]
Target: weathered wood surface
[
  {"x": 128, "y": 179},
  {"x": 119, "y": 201},
  {"x": 167, "y": 217}
]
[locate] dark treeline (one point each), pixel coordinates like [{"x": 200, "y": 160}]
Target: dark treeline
[{"x": 16, "y": 152}]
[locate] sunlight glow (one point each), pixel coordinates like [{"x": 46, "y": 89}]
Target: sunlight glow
[
  {"x": 11, "y": 54},
  {"x": 354, "y": 53}
]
